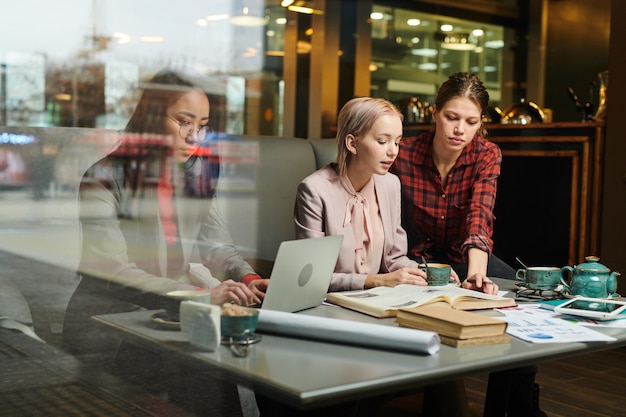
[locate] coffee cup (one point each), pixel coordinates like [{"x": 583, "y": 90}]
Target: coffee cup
[
  {"x": 173, "y": 308},
  {"x": 189, "y": 308},
  {"x": 238, "y": 322},
  {"x": 437, "y": 274},
  {"x": 540, "y": 277}
]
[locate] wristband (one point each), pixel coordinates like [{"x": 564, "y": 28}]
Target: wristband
[{"x": 248, "y": 278}]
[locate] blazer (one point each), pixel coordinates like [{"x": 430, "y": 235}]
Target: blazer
[
  {"x": 125, "y": 262},
  {"x": 319, "y": 211}
]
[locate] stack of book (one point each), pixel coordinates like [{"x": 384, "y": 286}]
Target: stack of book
[{"x": 456, "y": 328}]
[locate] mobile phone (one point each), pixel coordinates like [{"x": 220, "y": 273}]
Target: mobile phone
[{"x": 593, "y": 308}]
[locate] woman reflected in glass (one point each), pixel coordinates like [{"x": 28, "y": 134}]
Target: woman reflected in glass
[{"x": 149, "y": 222}]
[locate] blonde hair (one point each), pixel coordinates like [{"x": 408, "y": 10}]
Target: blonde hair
[{"x": 357, "y": 117}]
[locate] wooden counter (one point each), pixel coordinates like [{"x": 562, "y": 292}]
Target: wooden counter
[{"x": 549, "y": 193}]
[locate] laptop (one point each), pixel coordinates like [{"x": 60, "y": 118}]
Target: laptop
[{"x": 301, "y": 273}]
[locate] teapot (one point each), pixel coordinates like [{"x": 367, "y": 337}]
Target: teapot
[{"x": 590, "y": 279}]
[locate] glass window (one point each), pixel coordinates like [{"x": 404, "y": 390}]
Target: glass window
[
  {"x": 130, "y": 166},
  {"x": 414, "y": 52}
]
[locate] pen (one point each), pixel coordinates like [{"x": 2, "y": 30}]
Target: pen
[{"x": 474, "y": 281}]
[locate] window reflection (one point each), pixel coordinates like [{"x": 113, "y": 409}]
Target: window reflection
[{"x": 85, "y": 70}]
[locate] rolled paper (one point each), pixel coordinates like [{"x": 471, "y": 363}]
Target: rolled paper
[{"x": 349, "y": 332}]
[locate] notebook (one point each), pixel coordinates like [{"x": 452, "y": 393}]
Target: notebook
[{"x": 301, "y": 273}]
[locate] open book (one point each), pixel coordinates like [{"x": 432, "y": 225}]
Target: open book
[{"x": 385, "y": 301}]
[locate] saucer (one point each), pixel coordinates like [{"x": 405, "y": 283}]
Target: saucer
[
  {"x": 162, "y": 321},
  {"x": 244, "y": 340}
]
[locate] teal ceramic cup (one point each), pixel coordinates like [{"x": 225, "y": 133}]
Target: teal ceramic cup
[
  {"x": 240, "y": 326},
  {"x": 437, "y": 274},
  {"x": 540, "y": 277}
]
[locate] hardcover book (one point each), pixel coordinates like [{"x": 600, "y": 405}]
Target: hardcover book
[{"x": 450, "y": 322}]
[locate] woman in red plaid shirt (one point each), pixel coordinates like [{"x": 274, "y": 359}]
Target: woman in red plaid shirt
[{"x": 449, "y": 181}]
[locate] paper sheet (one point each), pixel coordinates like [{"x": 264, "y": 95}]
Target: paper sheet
[
  {"x": 348, "y": 332},
  {"x": 531, "y": 324}
]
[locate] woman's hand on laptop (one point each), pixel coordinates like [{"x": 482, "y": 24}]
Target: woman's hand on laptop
[
  {"x": 259, "y": 288},
  {"x": 414, "y": 276},
  {"x": 233, "y": 292}
]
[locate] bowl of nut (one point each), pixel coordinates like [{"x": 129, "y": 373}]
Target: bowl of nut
[{"x": 237, "y": 322}]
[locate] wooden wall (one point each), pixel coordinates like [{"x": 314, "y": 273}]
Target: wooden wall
[
  {"x": 613, "y": 231},
  {"x": 577, "y": 49}
]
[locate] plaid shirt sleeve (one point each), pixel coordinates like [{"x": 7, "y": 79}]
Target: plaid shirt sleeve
[{"x": 486, "y": 158}]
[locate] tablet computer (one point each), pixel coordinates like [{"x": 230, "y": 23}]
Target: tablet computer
[{"x": 593, "y": 308}]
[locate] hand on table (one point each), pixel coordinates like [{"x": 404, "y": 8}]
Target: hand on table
[
  {"x": 479, "y": 282},
  {"x": 413, "y": 276}
]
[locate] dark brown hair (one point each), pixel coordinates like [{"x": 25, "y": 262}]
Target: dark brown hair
[
  {"x": 464, "y": 84},
  {"x": 163, "y": 89}
]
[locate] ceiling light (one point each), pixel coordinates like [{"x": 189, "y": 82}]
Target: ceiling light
[
  {"x": 494, "y": 44},
  {"x": 376, "y": 16},
  {"x": 427, "y": 52},
  {"x": 427, "y": 66},
  {"x": 413, "y": 22},
  {"x": 214, "y": 17},
  {"x": 249, "y": 21},
  {"x": 285, "y": 3},
  {"x": 459, "y": 42},
  {"x": 301, "y": 9},
  {"x": 446, "y": 28},
  {"x": 303, "y": 47},
  {"x": 250, "y": 18},
  {"x": 63, "y": 97},
  {"x": 151, "y": 38},
  {"x": 301, "y": 6},
  {"x": 121, "y": 38}
]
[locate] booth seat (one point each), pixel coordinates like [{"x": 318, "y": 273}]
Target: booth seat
[{"x": 266, "y": 219}]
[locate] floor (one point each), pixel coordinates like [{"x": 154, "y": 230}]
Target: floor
[{"x": 592, "y": 385}]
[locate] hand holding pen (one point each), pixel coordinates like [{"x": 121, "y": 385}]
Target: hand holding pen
[{"x": 479, "y": 282}]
